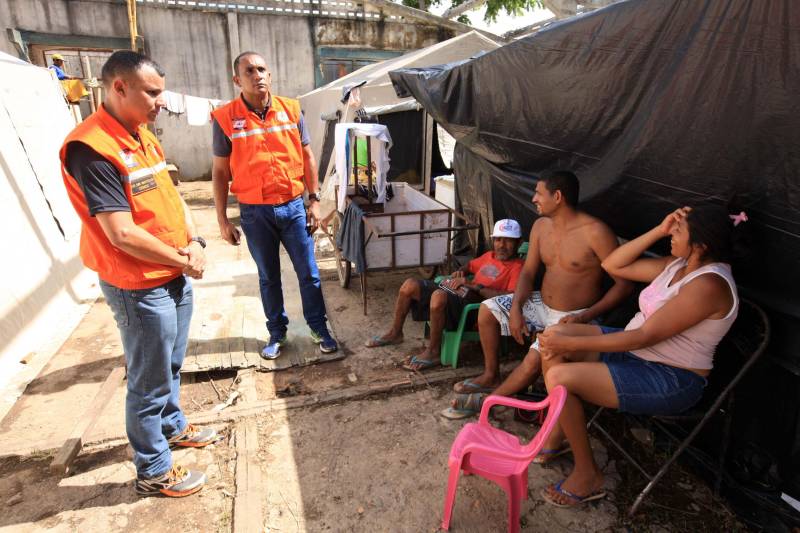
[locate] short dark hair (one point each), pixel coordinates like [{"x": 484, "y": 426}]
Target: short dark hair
[
  {"x": 239, "y": 58},
  {"x": 123, "y": 62},
  {"x": 564, "y": 181}
]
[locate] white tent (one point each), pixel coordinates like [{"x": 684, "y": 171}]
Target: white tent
[
  {"x": 43, "y": 283},
  {"x": 378, "y": 97}
]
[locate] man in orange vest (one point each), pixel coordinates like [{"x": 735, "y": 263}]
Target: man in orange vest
[
  {"x": 261, "y": 148},
  {"x": 138, "y": 235}
]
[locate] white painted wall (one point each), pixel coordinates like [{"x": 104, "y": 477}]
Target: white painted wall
[{"x": 43, "y": 285}]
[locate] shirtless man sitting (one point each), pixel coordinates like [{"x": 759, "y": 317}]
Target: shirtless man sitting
[{"x": 571, "y": 244}]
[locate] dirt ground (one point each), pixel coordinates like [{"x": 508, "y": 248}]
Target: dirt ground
[{"x": 369, "y": 464}]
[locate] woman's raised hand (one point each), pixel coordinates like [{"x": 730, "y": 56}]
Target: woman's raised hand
[{"x": 673, "y": 218}]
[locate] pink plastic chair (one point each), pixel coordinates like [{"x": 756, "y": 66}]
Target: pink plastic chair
[{"x": 497, "y": 455}]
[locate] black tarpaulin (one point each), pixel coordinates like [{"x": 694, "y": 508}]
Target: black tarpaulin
[{"x": 654, "y": 104}]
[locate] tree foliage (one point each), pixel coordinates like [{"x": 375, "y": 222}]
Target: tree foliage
[{"x": 493, "y": 7}]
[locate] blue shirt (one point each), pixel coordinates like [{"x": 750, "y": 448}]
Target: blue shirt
[{"x": 59, "y": 73}]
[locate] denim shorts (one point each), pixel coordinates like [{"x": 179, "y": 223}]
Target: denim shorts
[{"x": 649, "y": 388}]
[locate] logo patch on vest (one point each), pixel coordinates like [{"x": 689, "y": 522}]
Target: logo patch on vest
[
  {"x": 238, "y": 123},
  {"x": 282, "y": 116},
  {"x": 128, "y": 158},
  {"x": 143, "y": 184}
]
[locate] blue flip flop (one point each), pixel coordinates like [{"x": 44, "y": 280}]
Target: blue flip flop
[
  {"x": 548, "y": 455},
  {"x": 472, "y": 387},
  {"x": 577, "y": 500},
  {"x": 378, "y": 341},
  {"x": 467, "y": 405},
  {"x": 424, "y": 364}
]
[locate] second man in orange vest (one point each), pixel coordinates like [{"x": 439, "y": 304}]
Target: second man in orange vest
[{"x": 262, "y": 152}]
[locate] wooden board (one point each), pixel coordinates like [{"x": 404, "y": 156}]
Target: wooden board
[
  {"x": 74, "y": 442},
  {"x": 248, "y": 514},
  {"x": 229, "y": 330}
]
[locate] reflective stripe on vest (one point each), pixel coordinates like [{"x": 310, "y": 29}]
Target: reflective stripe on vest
[
  {"x": 267, "y": 160},
  {"x": 259, "y": 131},
  {"x": 155, "y": 205},
  {"x": 142, "y": 172}
]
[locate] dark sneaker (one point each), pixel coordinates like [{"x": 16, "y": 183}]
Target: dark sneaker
[
  {"x": 175, "y": 483},
  {"x": 273, "y": 348},
  {"x": 194, "y": 437},
  {"x": 327, "y": 344}
]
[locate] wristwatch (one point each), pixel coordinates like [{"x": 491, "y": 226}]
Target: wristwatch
[
  {"x": 199, "y": 240},
  {"x": 313, "y": 196},
  {"x": 479, "y": 287}
]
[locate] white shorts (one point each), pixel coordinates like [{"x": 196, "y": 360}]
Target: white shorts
[{"x": 536, "y": 314}]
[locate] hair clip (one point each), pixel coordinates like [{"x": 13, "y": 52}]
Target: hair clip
[{"x": 738, "y": 219}]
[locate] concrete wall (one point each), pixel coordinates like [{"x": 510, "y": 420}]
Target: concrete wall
[{"x": 196, "y": 49}]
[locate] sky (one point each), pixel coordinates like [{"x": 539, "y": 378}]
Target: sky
[{"x": 504, "y": 22}]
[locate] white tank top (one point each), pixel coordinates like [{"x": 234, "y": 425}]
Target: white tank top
[{"x": 694, "y": 347}]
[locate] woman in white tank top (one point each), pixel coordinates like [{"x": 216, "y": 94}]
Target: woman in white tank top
[{"x": 658, "y": 363}]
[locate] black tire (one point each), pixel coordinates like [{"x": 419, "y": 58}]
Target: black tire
[{"x": 343, "y": 266}]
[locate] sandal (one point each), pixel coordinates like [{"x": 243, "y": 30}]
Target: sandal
[
  {"x": 422, "y": 364},
  {"x": 467, "y": 405},
  {"x": 467, "y": 386},
  {"x": 377, "y": 341},
  {"x": 577, "y": 500},
  {"x": 546, "y": 455}
]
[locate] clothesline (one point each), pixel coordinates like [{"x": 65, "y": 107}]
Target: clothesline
[{"x": 196, "y": 109}]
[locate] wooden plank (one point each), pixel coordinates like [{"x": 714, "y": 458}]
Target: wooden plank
[
  {"x": 264, "y": 406},
  {"x": 74, "y": 442},
  {"x": 237, "y": 342},
  {"x": 248, "y": 514},
  {"x": 247, "y": 385}
]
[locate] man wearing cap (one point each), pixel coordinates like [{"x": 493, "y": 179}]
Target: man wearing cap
[
  {"x": 58, "y": 67},
  {"x": 494, "y": 273},
  {"x": 570, "y": 245}
]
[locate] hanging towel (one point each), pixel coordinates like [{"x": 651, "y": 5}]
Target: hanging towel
[
  {"x": 198, "y": 110},
  {"x": 174, "y": 102},
  {"x": 351, "y": 237}
]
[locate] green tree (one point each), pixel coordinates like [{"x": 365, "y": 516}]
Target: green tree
[{"x": 493, "y": 7}]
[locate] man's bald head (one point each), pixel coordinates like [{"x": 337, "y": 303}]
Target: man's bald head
[{"x": 239, "y": 60}]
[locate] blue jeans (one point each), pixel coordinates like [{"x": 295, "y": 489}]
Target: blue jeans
[
  {"x": 266, "y": 227},
  {"x": 154, "y": 325},
  {"x": 651, "y": 388}
]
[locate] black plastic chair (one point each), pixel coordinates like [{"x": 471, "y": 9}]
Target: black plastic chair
[{"x": 736, "y": 354}]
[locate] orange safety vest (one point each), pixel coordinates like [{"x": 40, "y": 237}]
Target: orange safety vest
[
  {"x": 267, "y": 157},
  {"x": 155, "y": 204}
]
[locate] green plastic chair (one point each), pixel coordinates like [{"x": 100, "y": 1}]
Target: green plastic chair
[{"x": 451, "y": 340}]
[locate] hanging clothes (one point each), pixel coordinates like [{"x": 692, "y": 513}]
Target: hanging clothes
[
  {"x": 344, "y": 135},
  {"x": 198, "y": 110},
  {"x": 74, "y": 90},
  {"x": 174, "y": 102}
]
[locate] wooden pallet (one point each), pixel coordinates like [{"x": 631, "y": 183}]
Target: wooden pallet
[{"x": 228, "y": 328}]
